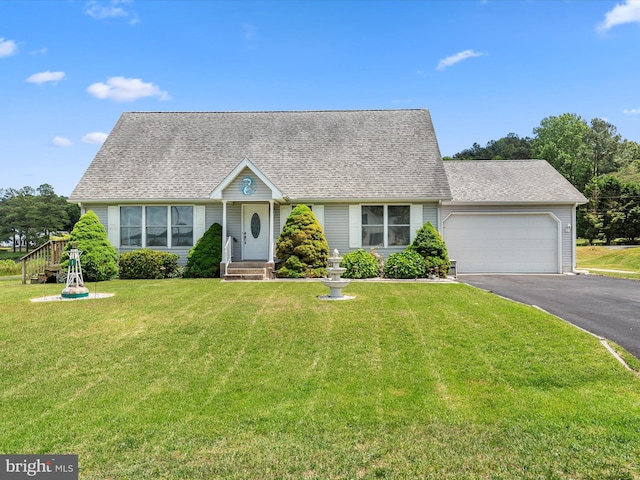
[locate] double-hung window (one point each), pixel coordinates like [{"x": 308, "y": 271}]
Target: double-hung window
[
  {"x": 386, "y": 225},
  {"x": 156, "y": 226}
]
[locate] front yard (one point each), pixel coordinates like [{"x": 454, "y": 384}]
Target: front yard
[{"x": 204, "y": 379}]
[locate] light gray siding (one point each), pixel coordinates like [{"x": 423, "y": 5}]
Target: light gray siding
[
  {"x": 256, "y": 189},
  {"x": 564, "y": 213},
  {"x": 100, "y": 210}
]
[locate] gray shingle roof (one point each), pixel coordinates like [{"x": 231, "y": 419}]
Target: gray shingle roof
[
  {"x": 357, "y": 154},
  {"x": 507, "y": 181}
]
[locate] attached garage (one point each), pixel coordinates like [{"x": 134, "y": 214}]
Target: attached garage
[
  {"x": 504, "y": 243},
  {"x": 510, "y": 216}
]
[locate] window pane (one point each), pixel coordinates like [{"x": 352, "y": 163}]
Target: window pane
[
  {"x": 131, "y": 216},
  {"x": 181, "y": 236},
  {"x": 131, "y": 226},
  {"x": 156, "y": 216},
  {"x": 372, "y": 236},
  {"x": 156, "y": 226},
  {"x": 372, "y": 215},
  {"x": 399, "y": 214},
  {"x": 399, "y": 235},
  {"x": 181, "y": 216},
  {"x": 181, "y": 226}
]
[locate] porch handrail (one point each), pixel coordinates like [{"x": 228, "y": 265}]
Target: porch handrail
[
  {"x": 227, "y": 254},
  {"x": 47, "y": 254}
]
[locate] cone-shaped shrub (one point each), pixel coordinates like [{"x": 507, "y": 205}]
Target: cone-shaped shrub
[
  {"x": 99, "y": 260},
  {"x": 429, "y": 244},
  {"x": 205, "y": 256},
  {"x": 302, "y": 246}
]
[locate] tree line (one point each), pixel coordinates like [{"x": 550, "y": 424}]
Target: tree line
[
  {"x": 29, "y": 216},
  {"x": 594, "y": 157}
]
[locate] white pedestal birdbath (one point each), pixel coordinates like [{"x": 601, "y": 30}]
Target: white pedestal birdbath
[{"x": 334, "y": 282}]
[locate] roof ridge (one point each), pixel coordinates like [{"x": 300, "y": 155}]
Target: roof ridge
[{"x": 287, "y": 111}]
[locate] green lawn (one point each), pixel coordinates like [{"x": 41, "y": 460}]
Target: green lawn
[
  {"x": 201, "y": 379},
  {"x": 600, "y": 259}
]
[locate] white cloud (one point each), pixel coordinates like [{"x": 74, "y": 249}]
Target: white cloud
[
  {"x": 123, "y": 89},
  {"x": 102, "y": 11},
  {"x": 458, "y": 57},
  {"x": 43, "y": 77},
  {"x": 95, "y": 138},
  {"x": 7, "y": 47},
  {"x": 627, "y": 12},
  {"x": 631, "y": 111},
  {"x": 61, "y": 142},
  {"x": 42, "y": 51}
]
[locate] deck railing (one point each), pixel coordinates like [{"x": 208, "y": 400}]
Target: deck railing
[
  {"x": 227, "y": 254},
  {"x": 43, "y": 260}
]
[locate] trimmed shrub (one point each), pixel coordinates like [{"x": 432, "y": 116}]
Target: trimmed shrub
[
  {"x": 98, "y": 258},
  {"x": 360, "y": 264},
  {"x": 405, "y": 264},
  {"x": 429, "y": 244},
  {"x": 148, "y": 264},
  {"x": 302, "y": 246},
  {"x": 205, "y": 256}
]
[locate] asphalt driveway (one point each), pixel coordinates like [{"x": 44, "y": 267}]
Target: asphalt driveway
[{"x": 608, "y": 307}]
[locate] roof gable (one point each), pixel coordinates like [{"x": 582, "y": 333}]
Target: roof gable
[
  {"x": 332, "y": 155},
  {"x": 218, "y": 192}
]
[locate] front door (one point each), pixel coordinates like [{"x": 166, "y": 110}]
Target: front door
[{"x": 255, "y": 231}]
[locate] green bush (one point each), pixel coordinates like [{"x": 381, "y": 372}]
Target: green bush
[
  {"x": 302, "y": 246},
  {"x": 205, "y": 256},
  {"x": 360, "y": 264},
  {"x": 405, "y": 264},
  {"x": 9, "y": 267},
  {"x": 429, "y": 244},
  {"x": 98, "y": 258},
  {"x": 148, "y": 264}
]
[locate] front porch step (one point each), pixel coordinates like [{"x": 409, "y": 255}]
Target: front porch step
[{"x": 248, "y": 271}]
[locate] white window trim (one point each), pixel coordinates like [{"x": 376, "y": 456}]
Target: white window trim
[
  {"x": 355, "y": 222},
  {"x": 114, "y": 225}
]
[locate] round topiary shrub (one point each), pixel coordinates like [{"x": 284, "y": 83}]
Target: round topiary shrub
[
  {"x": 99, "y": 259},
  {"x": 405, "y": 264},
  {"x": 148, "y": 264},
  {"x": 359, "y": 264},
  {"x": 205, "y": 256},
  {"x": 302, "y": 247},
  {"x": 429, "y": 244}
]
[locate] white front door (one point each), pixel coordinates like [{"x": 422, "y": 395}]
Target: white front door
[{"x": 255, "y": 231}]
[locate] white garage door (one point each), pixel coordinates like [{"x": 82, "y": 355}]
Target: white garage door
[{"x": 511, "y": 243}]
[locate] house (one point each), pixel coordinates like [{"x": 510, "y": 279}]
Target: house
[{"x": 372, "y": 178}]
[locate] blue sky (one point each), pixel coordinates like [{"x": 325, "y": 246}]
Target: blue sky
[{"x": 68, "y": 69}]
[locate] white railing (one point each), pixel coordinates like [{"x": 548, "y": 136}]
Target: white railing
[{"x": 227, "y": 254}]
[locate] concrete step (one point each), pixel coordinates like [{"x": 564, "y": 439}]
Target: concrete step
[{"x": 246, "y": 271}]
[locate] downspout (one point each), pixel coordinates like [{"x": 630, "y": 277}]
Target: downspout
[
  {"x": 439, "y": 216},
  {"x": 574, "y": 253}
]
